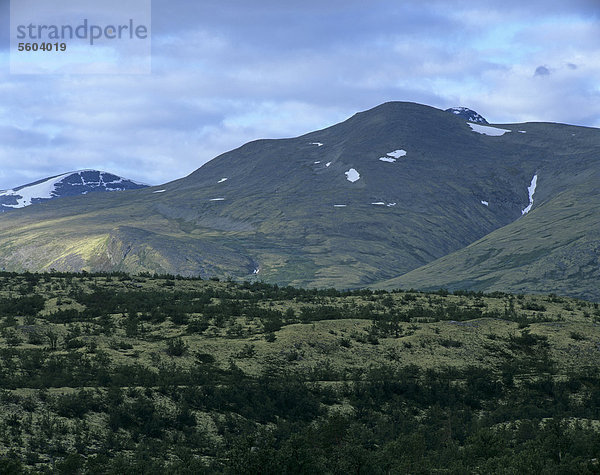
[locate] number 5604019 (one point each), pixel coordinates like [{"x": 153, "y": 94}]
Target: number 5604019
[{"x": 42, "y": 47}]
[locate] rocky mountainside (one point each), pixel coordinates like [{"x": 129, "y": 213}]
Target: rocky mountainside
[
  {"x": 467, "y": 114},
  {"x": 375, "y": 197}
]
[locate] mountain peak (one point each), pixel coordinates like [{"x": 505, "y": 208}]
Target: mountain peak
[
  {"x": 468, "y": 114},
  {"x": 74, "y": 183}
]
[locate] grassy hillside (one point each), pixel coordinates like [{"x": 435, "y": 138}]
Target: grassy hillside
[
  {"x": 104, "y": 373},
  {"x": 555, "y": 248}
]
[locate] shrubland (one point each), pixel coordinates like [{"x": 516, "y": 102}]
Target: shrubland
[{"x": 112, "y": 373}]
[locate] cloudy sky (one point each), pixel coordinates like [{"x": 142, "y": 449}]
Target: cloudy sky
[{"x": 229, "y": 71}]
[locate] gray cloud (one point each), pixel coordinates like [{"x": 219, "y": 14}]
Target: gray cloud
[
  {"x": 542, "y": 71},
  {"x": 11, "y": 136}
]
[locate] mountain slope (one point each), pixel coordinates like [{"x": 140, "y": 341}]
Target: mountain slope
[
  {"x": 374, "y": 197},
  {"x": 556, "y": 249},
  {"x": 68, "y": 184}
]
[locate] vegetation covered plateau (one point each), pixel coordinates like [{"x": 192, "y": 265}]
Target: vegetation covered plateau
[{"x": 109, "y": 373}]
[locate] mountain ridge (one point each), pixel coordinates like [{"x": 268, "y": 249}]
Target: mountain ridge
[{"x": 381, "y": 194}]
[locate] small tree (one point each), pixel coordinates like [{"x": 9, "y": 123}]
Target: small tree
[
  {"x": 270, "y": 337},
  {"x": 176, "y": 347},
  {"x": 52, "y": 339},
  {"x": 132, "y": 325},
  {"x": 12, "y": 338}
]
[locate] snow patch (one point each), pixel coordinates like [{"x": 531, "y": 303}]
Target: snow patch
[
  {"x": 392, "y": 156},
  {"x": 256, "y": 271},
  {"x": 222, "y": 180},
  {"x": 159, "y": 191},
  {"x": 25, "y": 195},
  {"x": 522, "y": 131},
  {"x": 379, "y": 203},
  {"x": 327, "y": 164},
  {"x": 318, "y": 144},
  {"x": 483, "y": 202},
  {"x": 391, "y": 204},
  {"x": 217, "y": 199},
  {"x": 317, "y": 162},
  {"x": 397, "y": 153},
  {"x": 339, "y": 206},
  {"x": 487, "y": 130},
  {"x": 352, "y": 175},
  {"x": 531, "y": 191}
]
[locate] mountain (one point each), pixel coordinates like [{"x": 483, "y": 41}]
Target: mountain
[
  {"x": 384, "y": 193},
  {"x": 68, "y": 184}
]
